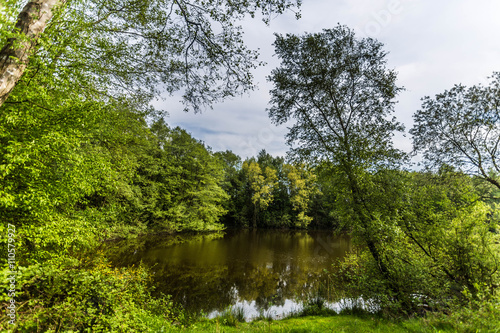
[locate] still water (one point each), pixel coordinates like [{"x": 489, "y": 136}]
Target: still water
[{"x": 263, "y": 271}]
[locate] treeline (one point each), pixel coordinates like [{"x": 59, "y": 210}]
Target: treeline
[
  {"x": 102, "y": 164},
  {"x": 266, "y": 191},
  {"x": 107, "y": 168}
]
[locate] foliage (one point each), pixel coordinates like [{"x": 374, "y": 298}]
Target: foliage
[
  {"x": 341, "y": 96},
  {"x": 440, "y": 246},
  {"x": 301, "y": 187},
  {"x": 261, "y": 184},
  {"x": 327, "y": 205},
  {"x": 79, "y": 173},
  {"x": 461, "y": 127},
  {"x": 8, "y": 12},
  {"x": 87, "y": 295},
  {"x": 178, "y": 180},
  {"x": 339, "y": 92},
  {"x": 268, "y": 191},
  {"x": 112, "y": 48},
  {"x": 232, "y": 184},
  {"x": 53, "y": 161},
  {"x": 480, "y": 314},
  {"x": 452, "y": 228},
  {"x": 44, "y": 161}
]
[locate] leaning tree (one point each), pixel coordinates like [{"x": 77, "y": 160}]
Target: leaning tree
[{"x": 338, "y": 95}]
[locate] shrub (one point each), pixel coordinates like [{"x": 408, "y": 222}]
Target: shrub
[{"x": 88, "y": 295}]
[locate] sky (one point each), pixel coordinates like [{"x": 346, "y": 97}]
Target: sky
[{"x": 433, "y": 45}]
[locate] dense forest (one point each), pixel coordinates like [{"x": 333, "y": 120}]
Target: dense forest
[{"x": 84, "y": 158}]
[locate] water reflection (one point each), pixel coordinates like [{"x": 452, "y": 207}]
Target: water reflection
[{"x": 258, "y": 269}]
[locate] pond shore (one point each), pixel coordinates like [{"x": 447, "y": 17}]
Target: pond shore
[{"x": 337, "y": 323}]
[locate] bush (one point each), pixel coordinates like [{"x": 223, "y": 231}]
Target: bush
[
  {"x": 433, "y": 242},
  {"x": 88, "y": 295},
  {"x": 481, "y": 313}
]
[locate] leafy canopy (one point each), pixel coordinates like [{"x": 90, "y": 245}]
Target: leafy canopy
[
  {"x": 461, "y": 127},
  {"x": 103, "y": 48},
  {"x": 340, "y": 94}
]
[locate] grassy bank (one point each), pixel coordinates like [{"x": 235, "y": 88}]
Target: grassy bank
[
  {"x": 339, "y": 323},
  {"x": 314, "y": 317}
]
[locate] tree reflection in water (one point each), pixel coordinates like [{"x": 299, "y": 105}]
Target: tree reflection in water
[{"x": 254, "y": 268}]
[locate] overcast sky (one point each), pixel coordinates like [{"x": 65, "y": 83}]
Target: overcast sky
[{"x": 432, "y": 45}]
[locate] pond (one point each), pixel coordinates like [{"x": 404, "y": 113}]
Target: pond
[{"x": 262, "y": 271}]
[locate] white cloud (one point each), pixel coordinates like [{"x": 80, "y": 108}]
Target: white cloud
[{"x": 432, "y": 44}]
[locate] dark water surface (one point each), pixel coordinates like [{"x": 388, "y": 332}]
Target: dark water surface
[{"x": 263, "y": 271}]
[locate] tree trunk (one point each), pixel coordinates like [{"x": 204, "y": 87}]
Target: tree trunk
[
  {"x": 255, "y": 215},
  {"x": 15, "y": 53},
  {"x": 366, "y": 220}
]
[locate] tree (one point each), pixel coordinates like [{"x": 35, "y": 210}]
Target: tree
[
  {"x": 341, "y": 95},
  {"x": 301, "y": 187},
  {"x": 262, "y": 183},
  {"x": 445, "y": 219},
  {"x": 179, "y": 182},
  {"x": 136, "y": 46},
  {"x": 440, "y": 250},
  {"x": 14, "y": 55},
  {"x": 461, "y": 128},
  {"x": 54, "y": 164}
]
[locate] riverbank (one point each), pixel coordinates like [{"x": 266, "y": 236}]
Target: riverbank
[
  {"x": 343, "y": 323},
  {"x": 339, "y": 323}
]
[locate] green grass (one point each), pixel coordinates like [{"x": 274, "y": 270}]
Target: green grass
[{"x": 338, "y": 323}]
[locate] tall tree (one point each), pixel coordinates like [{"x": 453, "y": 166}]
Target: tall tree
[
  {"x": 262, "y": 183},
  {"x": 179, "y": 180},
  {"x": 461, "y": 127},
  {"x": 301, "y": 186},
  {"x": 341, "y": 95}
]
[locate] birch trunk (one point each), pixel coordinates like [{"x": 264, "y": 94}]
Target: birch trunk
[{"x": 14, "y": 55}]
